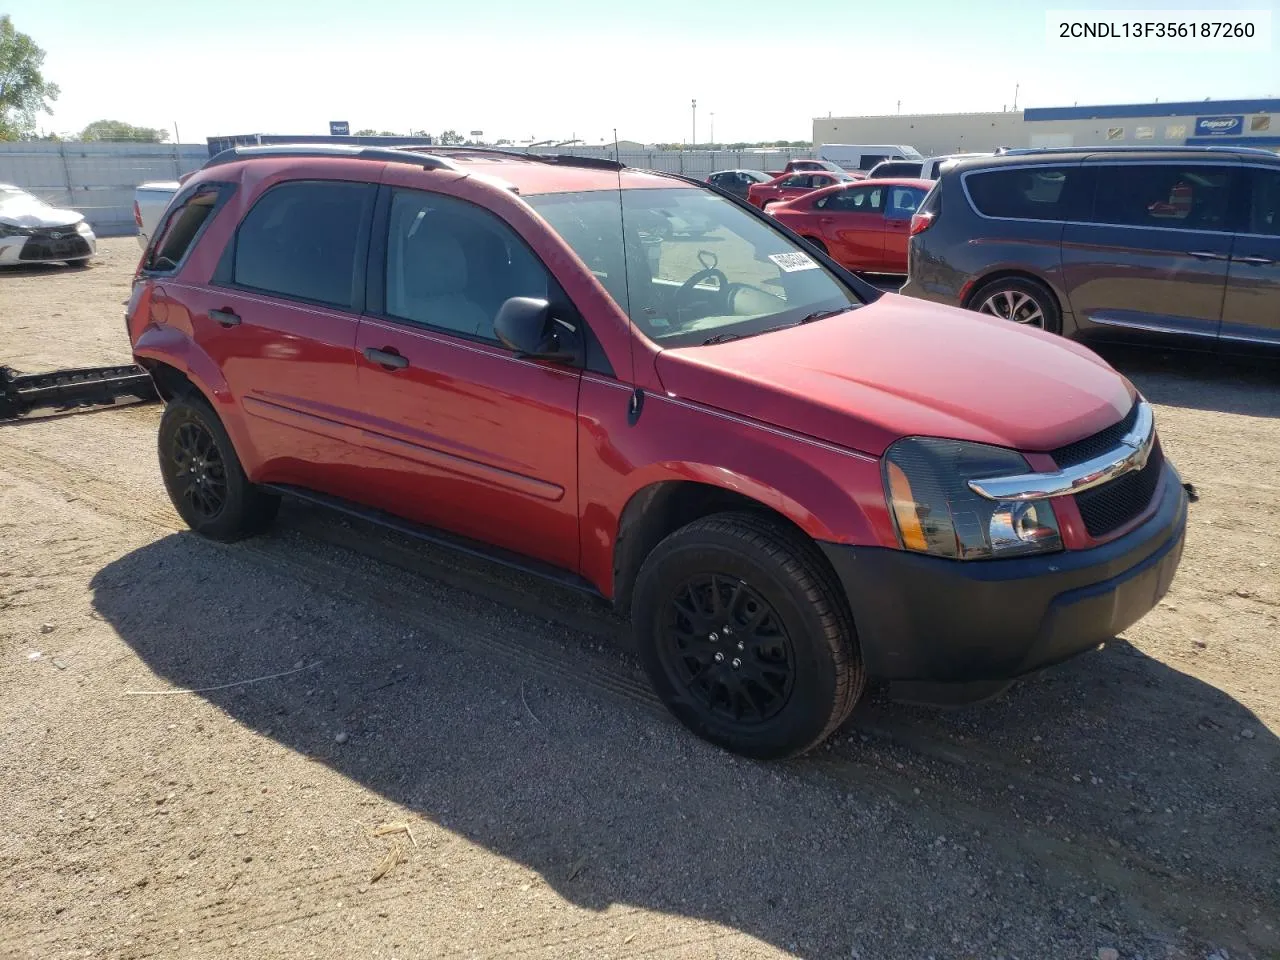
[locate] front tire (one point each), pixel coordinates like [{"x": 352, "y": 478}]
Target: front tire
[
  {"x": 746, "y": 637},
  {"x": 204, "y": 477},
  {"x": 1021, "y": 300},
  {"x": 818, "y": 244}
]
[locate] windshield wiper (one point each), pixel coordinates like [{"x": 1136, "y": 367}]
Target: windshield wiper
[
  {"x": 820, "y": 315},
  {"x": 726, "y": 337}
]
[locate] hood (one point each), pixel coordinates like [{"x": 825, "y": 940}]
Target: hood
[
  {"x": 902, "y": 367},
  {"x": 24, "y": 210}
]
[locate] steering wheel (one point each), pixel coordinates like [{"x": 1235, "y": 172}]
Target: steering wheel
[{"x": 688, "y": 294}]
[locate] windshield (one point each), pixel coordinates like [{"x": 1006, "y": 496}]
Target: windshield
[{"x": 694, "y": 266}]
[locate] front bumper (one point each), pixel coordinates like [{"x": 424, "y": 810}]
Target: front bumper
[
  {"x": 43, "y": 247},
  {"x": 931, "y": 620}
]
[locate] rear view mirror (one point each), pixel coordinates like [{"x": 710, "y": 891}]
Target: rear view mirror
[{"x": 525, "y": 325}]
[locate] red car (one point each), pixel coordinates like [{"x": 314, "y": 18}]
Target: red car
[
  {"x": 790, "y": 481},
  {"x": 792, "y": 185},
  {"x": 863, "y": 226}
]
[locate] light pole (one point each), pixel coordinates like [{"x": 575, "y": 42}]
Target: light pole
[
  {"x": 713, "y": 129},
  {"x": 693, "y": 142}
]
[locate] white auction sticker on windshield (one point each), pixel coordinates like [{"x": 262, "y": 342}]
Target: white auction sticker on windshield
[{"x": 791, "y": 262}]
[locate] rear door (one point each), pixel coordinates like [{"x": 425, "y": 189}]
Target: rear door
[
  {"x": 852, "y": 226},
  {"x": 1251, "y": 307},
  {"x": 280, "y": 322},
  {"x": 901, "y": 203},
  {"x": 467, "y": 436},
  {"x": 1150, "y": 260}
]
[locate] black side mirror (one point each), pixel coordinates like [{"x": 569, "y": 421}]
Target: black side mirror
[{"x": 525, "y": 325}]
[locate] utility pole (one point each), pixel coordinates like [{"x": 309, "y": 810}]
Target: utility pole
[
  {"x": 694, "y": 140},
  {"x": 1016, "y": 86},
  {"x": 713, "y": 129}
]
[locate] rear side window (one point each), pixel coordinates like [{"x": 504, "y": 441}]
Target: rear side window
[
  {"x": 903, "y": 202},
  {"x": 853, "y": 200},
  {"x": 1025, "y": 193},
  {"x": 181, "y": 228},
  {"x": 1170, "y": 195},
  {"x": 301, "y": 240}
]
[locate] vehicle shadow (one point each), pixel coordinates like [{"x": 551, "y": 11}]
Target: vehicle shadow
[
  {"x": 897, "y": 841},
  {"x": 1240, "y": 385}
]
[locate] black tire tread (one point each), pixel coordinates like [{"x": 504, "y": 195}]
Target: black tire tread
[
  {"x": 802, "y": 563},
  {"x": 255, "y": 509}
]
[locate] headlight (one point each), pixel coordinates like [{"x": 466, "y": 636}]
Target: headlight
[
  {"x": 83, "y": 227},
  {"x": 926, "y": 481},
  {"x": 9, "y": 230}
]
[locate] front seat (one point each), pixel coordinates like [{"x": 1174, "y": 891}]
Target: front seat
[{"x": 434, "y": 284}]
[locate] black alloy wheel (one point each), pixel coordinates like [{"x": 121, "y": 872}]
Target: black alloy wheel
[
  {"x": 729, "y": 649},
  {"x": 198, "y": 471}
]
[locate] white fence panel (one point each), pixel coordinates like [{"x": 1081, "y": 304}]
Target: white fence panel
[{"x": 96, "y": 179}]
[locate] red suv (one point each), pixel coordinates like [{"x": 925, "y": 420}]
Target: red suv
[{"x": 789, "y": 481}]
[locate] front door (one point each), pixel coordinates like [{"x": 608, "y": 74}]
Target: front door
[
  {"x": 1251, "y": 308},
  {"x": 1151, "y": 260},
  {"x": 468, "y": 437},
  {"x": 853, "y": 227}
]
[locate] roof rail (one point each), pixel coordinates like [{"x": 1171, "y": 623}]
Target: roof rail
[
  {"x": 1136, "y": 148},
  {"x": 562, "y": 159},
  {"x": 349, "y": 151},
  {"x": 426, "y": 155}
]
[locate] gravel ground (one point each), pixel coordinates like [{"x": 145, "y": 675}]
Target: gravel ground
[{"x": 451, "y": 761}]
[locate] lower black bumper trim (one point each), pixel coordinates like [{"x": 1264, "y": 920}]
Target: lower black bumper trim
[{"x": 931, "y": 620}]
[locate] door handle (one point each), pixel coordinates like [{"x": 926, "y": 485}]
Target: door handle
[
  {"x": 227, "y": 318},
  {"x": 1207, "y": 255},
  {"x": 826, "y": 219},
  {"x": 388, "y": 358},
  {"x": 1257, "y": 261}
]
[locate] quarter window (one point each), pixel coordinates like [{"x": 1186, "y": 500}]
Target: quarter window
[
  {"x": 181, "y": 228},
  {"x": 1163, "y": 195},
  {"x": 451, "y": 265},
  {"x": 301, "y": 240},
  {"x": 1264, "y": 209}
]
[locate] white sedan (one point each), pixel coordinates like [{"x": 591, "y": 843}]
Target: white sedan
[{"x": 32, "y": 231}]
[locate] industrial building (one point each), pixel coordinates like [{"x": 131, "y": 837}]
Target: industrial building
[{"x": 1253, "y": 123}]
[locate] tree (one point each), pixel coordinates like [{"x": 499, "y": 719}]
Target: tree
[
  {"x": 24, "y": 92},
  {"x": 370, "y": 132},
  {"x": 119, "y": 130},
  {"x": 503, "y": 143},
  {"x": 451, "y": 137}
]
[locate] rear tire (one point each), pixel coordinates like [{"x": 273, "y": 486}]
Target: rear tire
[
  {"x": 1020, "y": 300},
  {"x": 204, "y": 477},
  {"x": 746, "y": 637}
]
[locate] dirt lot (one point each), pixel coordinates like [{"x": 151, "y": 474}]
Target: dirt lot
[{"x": 448, "y": 761}]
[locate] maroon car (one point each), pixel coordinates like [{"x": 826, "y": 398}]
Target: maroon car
[{"x": 788, "y": 480}]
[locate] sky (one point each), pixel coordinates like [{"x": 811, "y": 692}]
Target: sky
[{"x": 544, "y": 69}]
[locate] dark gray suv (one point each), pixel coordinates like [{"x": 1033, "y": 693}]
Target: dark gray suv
[{"x": 1179, "y": 246}]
